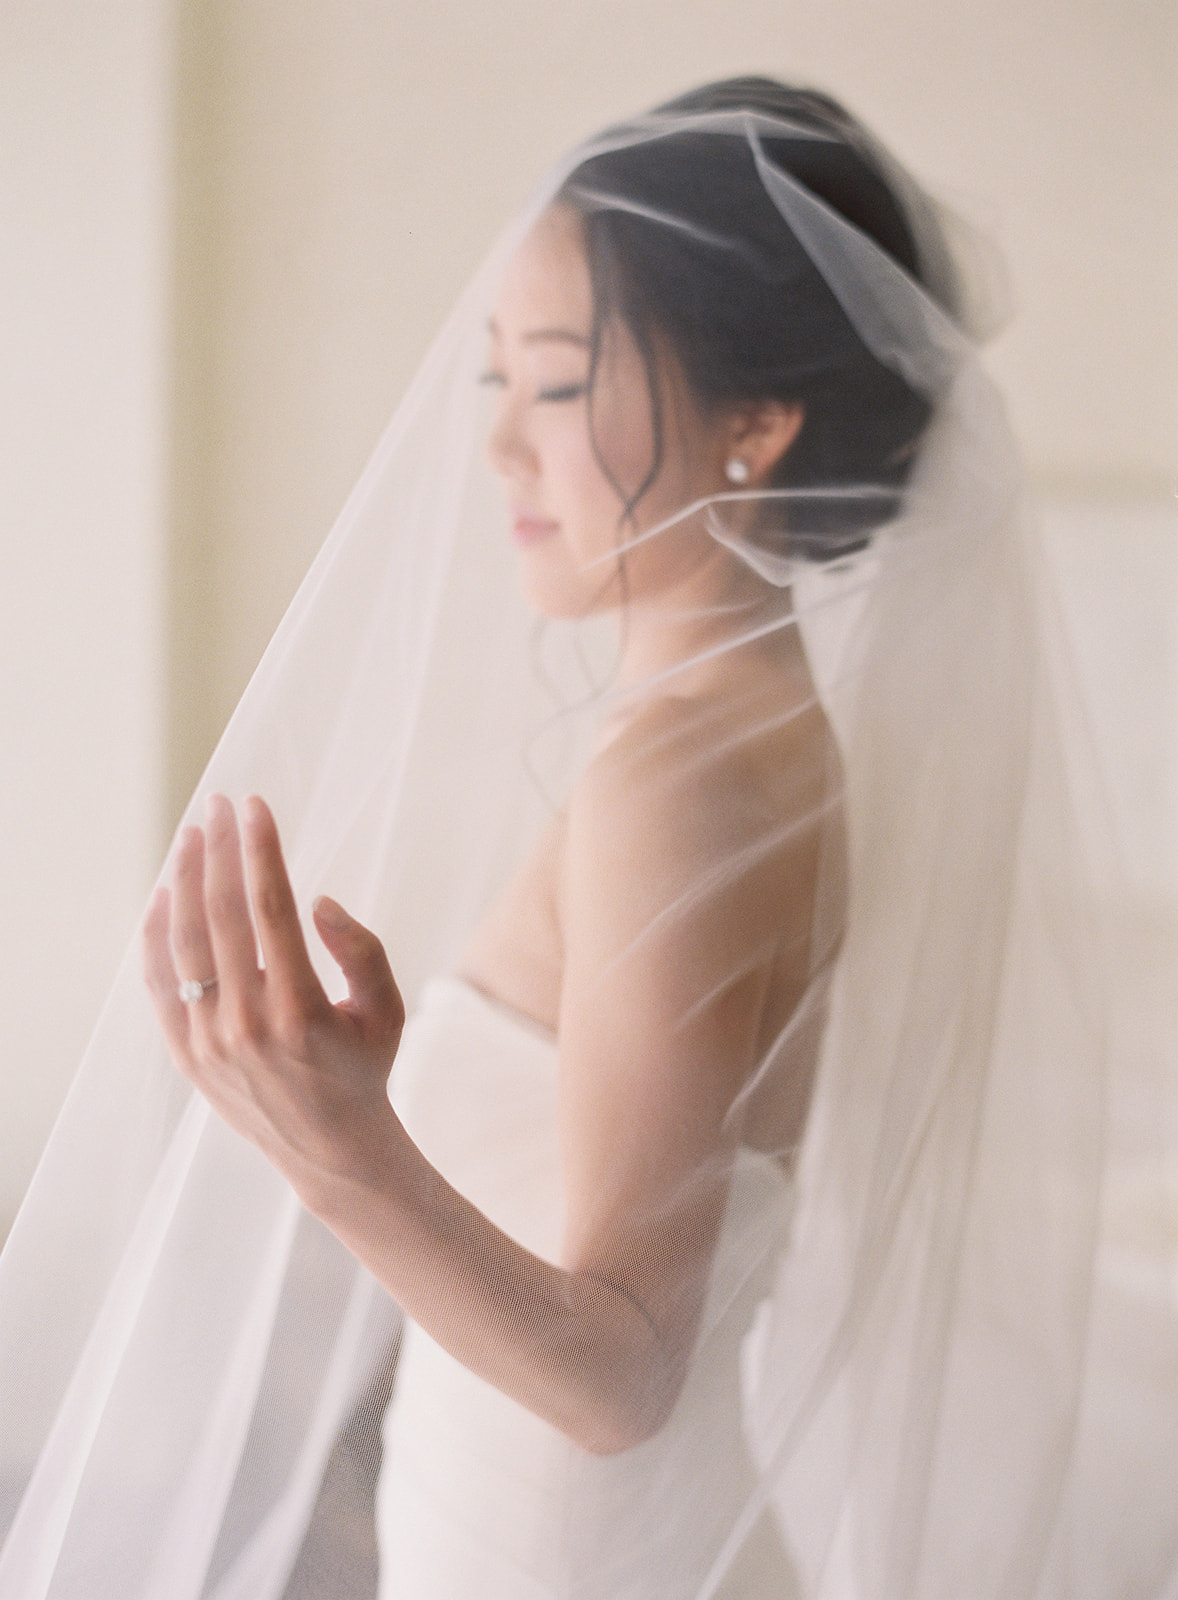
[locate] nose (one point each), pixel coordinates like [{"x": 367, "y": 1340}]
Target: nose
[{"x": 508, "y": 450}]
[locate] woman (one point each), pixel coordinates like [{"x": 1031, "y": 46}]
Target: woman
[
  {"x": 734, "y": 417},
  {"x": 661, "y": 1002}
]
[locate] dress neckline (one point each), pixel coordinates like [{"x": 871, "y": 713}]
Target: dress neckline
[
  {"x": 468, "y": 995},
  {"x": 492, "y": 1004}
]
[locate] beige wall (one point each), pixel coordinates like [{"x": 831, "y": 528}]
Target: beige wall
[
  {"x": 84, "y": 256},
  {"x": 336, "y": 169}
]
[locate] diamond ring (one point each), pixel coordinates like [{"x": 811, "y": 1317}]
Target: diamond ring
[{"x": 193, "y": 989}]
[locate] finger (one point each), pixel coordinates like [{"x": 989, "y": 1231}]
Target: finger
[
  {"x": 235, "y": 951},
  {"x": 192, "y": 947},
  {"x": 289, "y": 975},
  {"x": 372, "y": 991},
  {"x": 159, "y": 972}
]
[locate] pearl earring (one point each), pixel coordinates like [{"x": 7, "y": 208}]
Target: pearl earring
[{"x": 736, "y": 470}]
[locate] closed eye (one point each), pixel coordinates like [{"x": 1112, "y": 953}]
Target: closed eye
[
  {"x": 564, "y": 391},
  {"x": 557, "y": 393}
]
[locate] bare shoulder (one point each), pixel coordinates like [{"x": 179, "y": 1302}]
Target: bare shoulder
[
  {"x": 712, "y": 809},
  {"x": 718, "y": 767}
]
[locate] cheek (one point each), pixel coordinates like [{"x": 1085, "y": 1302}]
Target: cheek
[
  {"x": 579, "y": 469},
  {"x": 622, "y": 430}
]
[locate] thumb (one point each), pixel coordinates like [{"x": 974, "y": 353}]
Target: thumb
[{"x": 373, "y": 996}]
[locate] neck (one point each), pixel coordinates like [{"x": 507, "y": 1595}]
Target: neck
[{"x": 695, "y": 634}]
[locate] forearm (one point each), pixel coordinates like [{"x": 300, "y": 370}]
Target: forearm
[
  {"x": 568, "y": 1345},
  {"x": 597, "y": 1347}
]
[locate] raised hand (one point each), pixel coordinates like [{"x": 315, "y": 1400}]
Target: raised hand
[{"x": 245, "y": 1015}]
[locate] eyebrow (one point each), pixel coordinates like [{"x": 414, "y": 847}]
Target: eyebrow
[{"x": 546, "y": 336}]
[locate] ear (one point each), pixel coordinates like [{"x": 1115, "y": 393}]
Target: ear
[{"x": 762, "y": 433}]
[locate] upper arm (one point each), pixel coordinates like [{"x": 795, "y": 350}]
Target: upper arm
[{"x": 684, "y": 881}]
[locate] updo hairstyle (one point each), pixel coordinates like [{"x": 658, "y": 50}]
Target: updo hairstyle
[{"x": 743, "y": 307}]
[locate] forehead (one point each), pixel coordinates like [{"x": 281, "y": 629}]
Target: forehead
[{"x": 546, "y": 287}]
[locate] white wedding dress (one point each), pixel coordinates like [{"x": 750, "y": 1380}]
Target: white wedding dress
[{"x": 478, "y": 1496}]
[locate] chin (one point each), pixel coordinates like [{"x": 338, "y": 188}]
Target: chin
[{"x": 566, "y": 595}]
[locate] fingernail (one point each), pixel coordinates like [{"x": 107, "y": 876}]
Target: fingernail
[
  {"x": 331, "y": 912},
  {"x": 253, "y": 809}
]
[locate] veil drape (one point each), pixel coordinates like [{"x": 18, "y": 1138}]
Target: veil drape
[{"x": 927, "y": 1382}]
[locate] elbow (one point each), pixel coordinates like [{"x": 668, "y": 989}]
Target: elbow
[
  {"x": 624, "y": 1393},
  {"x": 612, "y": 1436},
  {"x": 631, "y": 1416}
]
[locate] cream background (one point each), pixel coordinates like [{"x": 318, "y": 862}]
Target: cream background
[{"x": 227, "y": 232}]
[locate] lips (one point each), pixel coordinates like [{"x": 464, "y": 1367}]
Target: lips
[{"x": 527, "y": 528}]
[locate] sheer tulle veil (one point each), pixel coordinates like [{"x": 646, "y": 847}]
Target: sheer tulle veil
[{"x": 181, "y": 1344}]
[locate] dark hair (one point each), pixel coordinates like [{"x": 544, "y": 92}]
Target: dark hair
[{"x": 745, "y": 310}]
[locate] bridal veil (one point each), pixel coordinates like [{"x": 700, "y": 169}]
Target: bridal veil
[{"x": 931, "y": 1383}]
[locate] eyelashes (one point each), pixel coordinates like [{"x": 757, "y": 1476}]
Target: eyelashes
[
  {"x": 563, "y": 391},
  {"x": 555, "y": 394}
]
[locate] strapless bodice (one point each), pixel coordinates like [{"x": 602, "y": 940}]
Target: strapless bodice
[
  {"x": 480, "y": 1497},
  {"x": 475, "y": 1085}
]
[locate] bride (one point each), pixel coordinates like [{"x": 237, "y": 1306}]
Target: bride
[
  {"x": 661, "y": 997},
  {"x": 698, "y": 1177}
]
